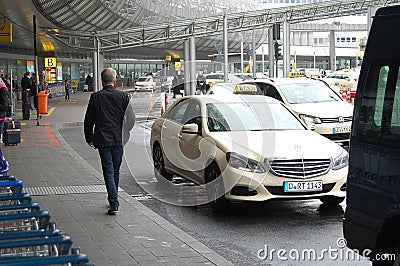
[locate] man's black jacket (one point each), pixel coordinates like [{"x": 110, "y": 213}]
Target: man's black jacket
[
  {"x": 26, "y": 83},
  {"x": 104, "y": 117}
]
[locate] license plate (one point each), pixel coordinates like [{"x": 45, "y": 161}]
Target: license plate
[
  {"x": 337, "y": 130},
  {"x": 302, "y": 186}
]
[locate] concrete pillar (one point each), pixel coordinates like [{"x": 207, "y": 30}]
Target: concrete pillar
[
  {"x": 186, "y": 73},
  {"x": 192, "y": 44},
  {"x": 286, "y": 48},
  {"x": 271, "y": 69},
  {"x": 225, "y": 35},
  {"x": 332, "y": 52}
]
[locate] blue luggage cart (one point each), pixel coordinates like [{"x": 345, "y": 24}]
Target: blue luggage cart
[
  {"x": 24, "y": 221},
  {"x": 15, "y": 199},
  {"x": 46, "y": 246}
]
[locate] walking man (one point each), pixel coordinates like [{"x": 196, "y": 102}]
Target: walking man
[{"x": 108, "y": 116}]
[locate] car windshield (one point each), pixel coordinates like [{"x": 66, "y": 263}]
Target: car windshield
[
  {"x": 314, "y": 92},
  {"x": 143, "y": 80},
  {"x": 250, "y": 116}
]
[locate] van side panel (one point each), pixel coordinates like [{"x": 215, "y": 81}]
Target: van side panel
[{"x": 373, "y": 183}]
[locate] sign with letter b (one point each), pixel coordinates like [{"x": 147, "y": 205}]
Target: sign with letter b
[{"x": 50, "y": 62}]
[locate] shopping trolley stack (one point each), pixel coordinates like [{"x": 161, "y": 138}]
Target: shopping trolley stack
[{"x": 27, "y": 236}]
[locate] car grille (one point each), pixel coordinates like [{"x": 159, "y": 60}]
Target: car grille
[
  {"x": 338, "y": 137},
  {"x": 336, "y": 120},
  {"x": 278, "y": 190},
  {"x": 300, "y": 168}
]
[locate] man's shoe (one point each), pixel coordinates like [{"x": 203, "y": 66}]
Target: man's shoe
[{"x": 112, "y": 211}]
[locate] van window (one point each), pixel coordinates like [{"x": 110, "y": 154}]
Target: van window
[{"x": 379, "y": 118}]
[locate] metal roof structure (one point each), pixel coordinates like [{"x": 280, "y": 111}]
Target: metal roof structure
[
  {"x": 173, "y": 31},
  {"x": 158, "y": 26}
]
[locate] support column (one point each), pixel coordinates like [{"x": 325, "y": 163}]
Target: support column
[
  {"x": 271, "y": 70},
  {"x": 225, "y": 47},
  {"x": 332, "y": 52},
  {"x": 241, "y": 53},
  {"x": 192, "y": 44},
  {"x": 98, "y": 64},
  {"x": 262, "y": 60},
  {"x": 253, "y": 45},
  {"x": 286, "y": 48},
  {"x": 186, "y": 73}
]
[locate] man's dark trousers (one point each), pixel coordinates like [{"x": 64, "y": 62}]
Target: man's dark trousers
[{"x": 111, "y": 159}]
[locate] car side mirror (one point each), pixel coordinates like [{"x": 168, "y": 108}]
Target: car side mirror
[{"x": 190, "y": 129}]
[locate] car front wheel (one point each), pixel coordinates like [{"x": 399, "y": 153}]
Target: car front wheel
[
  {"x": 215, "y": 187},
  {"x": 158, "y": 163}
]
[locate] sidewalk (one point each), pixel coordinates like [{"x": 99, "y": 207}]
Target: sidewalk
[{"x": 73, "y": 192}]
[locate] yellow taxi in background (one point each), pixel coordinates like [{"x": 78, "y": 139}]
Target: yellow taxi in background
[{"x": 246, "y": 148}]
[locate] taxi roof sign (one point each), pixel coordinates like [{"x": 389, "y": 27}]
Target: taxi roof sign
[{"x": 247, "y": 89}]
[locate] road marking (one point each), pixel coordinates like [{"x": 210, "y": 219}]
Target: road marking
[
  {"x": 50, "y": 135},
  {"x": 141, "y": 197},
  {"x": 68, "y": 102},
  {"x": 51, "y": 110}
]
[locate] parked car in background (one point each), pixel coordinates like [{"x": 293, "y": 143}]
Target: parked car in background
[
  {"x": 344, "y": 80},
  {"x": 146, "y": 83},
  {"x": 244, "y": 76},
  {"x": 246, "y": 148},
  {"x": 166, "y": 83},
  {"x": 214, "y": 78},
  {"x": 319, "y": 106}
]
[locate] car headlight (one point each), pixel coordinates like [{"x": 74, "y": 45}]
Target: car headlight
[
  {"x": 310, "y": 121},
  {"x": 341, "y": 161},
  {"x": 243, "y": 163}
]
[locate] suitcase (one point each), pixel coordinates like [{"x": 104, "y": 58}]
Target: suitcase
[
  {"x": 11, "y": 132},
  {"x": 26, "y": 110}
]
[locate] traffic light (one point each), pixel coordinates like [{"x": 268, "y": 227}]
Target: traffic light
[{"x": 278, "y": 50}]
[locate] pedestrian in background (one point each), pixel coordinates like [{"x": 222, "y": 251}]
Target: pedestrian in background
[
  {"x": 27, "y": 86},
  {"x": 107, "y": 113},
  {"x": 67, "y": 86},
  {"x": 177, "y": 84},
  {"x": 4, "y": 103}
]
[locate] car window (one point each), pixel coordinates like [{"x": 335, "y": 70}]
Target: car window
[
  {"x": 193, "y": 114},
  {"x": 269, "y": 90},
  {"x": 379, "y": 115},
  {"x": 250, "y": 116},
  {"x": 312, "y": 92},
  {"x": 178, "y": 112}
]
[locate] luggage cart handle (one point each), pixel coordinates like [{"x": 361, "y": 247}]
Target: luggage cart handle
[
  {"x": 76, "y": 259},
  {"x": 29, "y": 234}
]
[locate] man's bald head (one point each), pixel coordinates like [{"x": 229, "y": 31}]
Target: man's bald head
[{"x": 108, "y": 76}]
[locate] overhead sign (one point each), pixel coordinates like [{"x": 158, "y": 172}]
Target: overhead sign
[
  {"x": 178, "y": 65},
  {"x": 50, "y": 62},
  {"x": 5, "y": 32}
]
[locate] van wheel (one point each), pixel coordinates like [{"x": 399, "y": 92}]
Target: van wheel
[
  {"x": 331, "y": 200},
  {"x": 158, "y": 164},
  {"x": 215, "y": 187}
]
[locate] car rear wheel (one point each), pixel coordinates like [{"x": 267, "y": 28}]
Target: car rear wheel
[
  {"x": 158, "y": 163},
  {"x": 331, "y": 200},
  {"x": 215, "y": 187}
]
